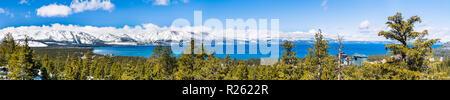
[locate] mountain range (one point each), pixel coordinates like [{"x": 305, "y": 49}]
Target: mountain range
[{"x": 146, "y": 34}]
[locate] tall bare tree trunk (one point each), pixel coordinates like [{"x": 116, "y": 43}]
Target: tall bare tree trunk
[
  {"x": 319, "y": 74},
  {"x": 339, "y": 55}
]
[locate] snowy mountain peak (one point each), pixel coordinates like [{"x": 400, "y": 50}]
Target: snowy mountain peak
[{"x": 146, "y": 34}]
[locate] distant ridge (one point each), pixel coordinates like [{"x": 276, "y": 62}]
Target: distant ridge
[{"x": 443, "y": 51}]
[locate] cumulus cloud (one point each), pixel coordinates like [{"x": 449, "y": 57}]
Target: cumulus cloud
[
  {"x": 312, "y": 31},
  {"x": 84, "y": 5},
  {"x": 2, "y": 10},
  {"x": 28, "y": 15},
  {"x": 165, "y": 2},
  {"x": 185, "y": 1},
  {"x": 77, "y": 6},
  {"x": 364, "y": 25},
  {"x": 54, "y": 10},
  {"x": 6, "y": 12},
  {"x": 161, "y": 2},
  {"x": 324, "y": 4},
  {"x": 442, "y": 33},
  {"x": 23, "y": 2}
]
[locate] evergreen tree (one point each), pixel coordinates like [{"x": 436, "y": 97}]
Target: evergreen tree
[
  {"x": 186, "y": 63},
  {"x": 21, "y": 64},
  {"x": 319, "y": 53},
  {"x": 70, "y": 70},
  {"x": 289, "y": 55},
  {"x": 167, "y": 62},
  {"x": 46, "y": 69},
  {"x": 7, "y": 48},
  {"x": 128, "y": 74},
  {"x": 414, "y": 54}
]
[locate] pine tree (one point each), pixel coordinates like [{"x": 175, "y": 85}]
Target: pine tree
[
  {"x": 289, "y": 55},
  {"x": 186, "y": 63},
  {"x": 7, "y": 48},
  {"x": 159, "y": 72},
  {"x": 46, "y": 69},
  {"x": 70, "y": 70},
  {"x": 414, "y": 54},
  {"x": 116, "y": 71},
  {"x": 167, "y": 62},
  {"x": 128, "y": 74},
  {"x": 22, "y": 65},
  {"x": 319, "y": 53}
]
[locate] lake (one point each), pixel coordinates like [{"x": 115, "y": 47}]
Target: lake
[{"x": 301, "y": 49}]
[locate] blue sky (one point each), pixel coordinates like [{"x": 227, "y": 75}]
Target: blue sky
[{"x": 333, "y": 16}]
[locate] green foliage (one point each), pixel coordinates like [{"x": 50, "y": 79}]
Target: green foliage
[
  {"x": 319, "y": 56},
  {"x": 411, "y": 60},
  {"x": 21, "y": 64},
  {"x": 167, "y": 62},
  {"x": 378, "y": 57},
  {"x": 7, "y": 48},
  {"x": 415, "y": 54},
  {"x": 444, "y": 67},
  {"x": 289, "y": 55}
]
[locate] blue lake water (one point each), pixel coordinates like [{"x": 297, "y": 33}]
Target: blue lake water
[{"x": 301, "y": 49}]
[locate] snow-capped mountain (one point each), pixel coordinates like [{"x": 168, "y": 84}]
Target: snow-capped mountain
[
  {"x": 146, "y": 34},
  {"x": 58, "y": 34}
]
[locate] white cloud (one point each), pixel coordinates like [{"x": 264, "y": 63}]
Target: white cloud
[
  {"x": 165, "y": 2},
  {"x": 364, "y": 25},
  {"x": 161, "y": 2},
  {"x": 23, "y": 2},
  {"x": 324, "y": 4},
  {"x": 434, "y": 32},
  {"x": 312, "y": 31},
  {"x": 185, "y": 1},
  {"x": 442, "y": 33},
  {"x": 28, "y": 15},
  {"x": 150, "y": 26},
  {"x": 6, "y": 12},
  {"x": 84, "y": 5},
  {"x": 2, "y": 10},
  {"x": 54, "y": 10},
  {"x": 77, "y": 6}
]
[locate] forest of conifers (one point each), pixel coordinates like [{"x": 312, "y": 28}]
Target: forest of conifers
[{"x": 411, "y": 58}]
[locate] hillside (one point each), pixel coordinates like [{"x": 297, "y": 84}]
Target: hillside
[{"x": 443, "y": 51}]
